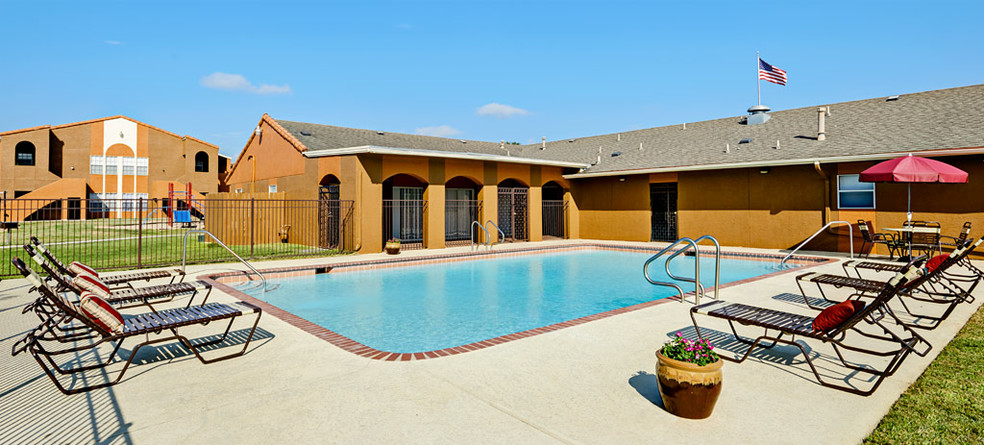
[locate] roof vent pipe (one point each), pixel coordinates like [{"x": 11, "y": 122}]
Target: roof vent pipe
[
  {"x": 640, "y": 146},
  {"x": 684, "y": 125},
  {"x": 822, "y": 112},
  {"x": 727, "y": 148},
  {"x": 543, "y": 145},
  {"x": 618, "y": 138},
  {"x": 502, "y": 144}
]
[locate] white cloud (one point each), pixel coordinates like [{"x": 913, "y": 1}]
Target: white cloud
[
  {"x": 237, "y": 82},
  {"x": 113, "y": 42},
  {"x": 499, "y": 110},
  {"x": 441, "y": 131}
]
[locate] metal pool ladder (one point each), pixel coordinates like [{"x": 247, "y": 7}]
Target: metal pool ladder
[
  {"x": 475, "y": 244},
  {"x": 502, "y": 235},
  {"x": 691, "y": 244},
  {"x": 184, "y": 256}
]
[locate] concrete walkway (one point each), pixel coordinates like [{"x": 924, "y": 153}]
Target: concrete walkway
[{"x": 591, "y": 383}]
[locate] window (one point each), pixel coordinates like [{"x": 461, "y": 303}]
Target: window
[
  {"x": 854, "y": 194},
  {"x": 95, "y": 165},
  {"x": 239, "y": 190},
  {"x": 24, "y": 153},
  {"x": 129, "y": 166},
  {"x": 273, "y": 188},
  {"x": 111, "y": 164},
  {"x": 201, "y": 162},
  {"x": 142, "y": 166}
]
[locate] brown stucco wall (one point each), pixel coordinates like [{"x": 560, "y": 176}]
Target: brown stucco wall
[{"x": 610, "y": 209}]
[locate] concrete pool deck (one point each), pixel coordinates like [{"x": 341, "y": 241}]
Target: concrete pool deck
[{"x": 588, "y": 383}]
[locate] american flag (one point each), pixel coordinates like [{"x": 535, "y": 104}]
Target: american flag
[{"x": 771, "y": 73}]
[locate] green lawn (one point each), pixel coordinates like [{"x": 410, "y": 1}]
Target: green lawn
[{"x": 946, "y": 404}]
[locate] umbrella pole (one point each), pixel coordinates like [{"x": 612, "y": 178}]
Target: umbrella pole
[{"x": 908, "y": 205}]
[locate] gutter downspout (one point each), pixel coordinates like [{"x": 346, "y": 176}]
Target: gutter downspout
[{"x": 826, "y": 193}]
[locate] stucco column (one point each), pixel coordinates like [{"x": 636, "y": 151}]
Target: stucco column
[
  {"x": 535, "y": 210},
  {"x": 572, "y": 217},
  {"x": 489, "y": 197},
  {"x": 434, "y": 217},
  {"x": 358, "y": 185}
]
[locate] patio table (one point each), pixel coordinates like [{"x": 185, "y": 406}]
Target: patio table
[{"x": 907, "y": 233}]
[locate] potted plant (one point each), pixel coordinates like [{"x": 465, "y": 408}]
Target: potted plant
[
  {"x": 393, "y": 246},
  {"x": 689, "y": 376}
]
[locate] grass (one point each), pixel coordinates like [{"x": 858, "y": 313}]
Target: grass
[{"x": 946, "y": 403}]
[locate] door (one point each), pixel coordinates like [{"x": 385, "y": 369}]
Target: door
[
  {"x": 513, "y": 212},
  {"x": 663, "y": 202},
  {"x": 329, "y": 219},
  {"x": 408, "y": 214}
]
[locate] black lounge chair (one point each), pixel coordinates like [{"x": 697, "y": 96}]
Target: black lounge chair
[
  {"x": 138, "y": 326},
  {"x": 934, "y": 287},
  {"x": 113, "y": 281},
  {"x": 792, "y": 325},
  {"x": 125, "y": 297},
  {"x": 956, "y": 241},
  {"x": 888, "y": 240}
]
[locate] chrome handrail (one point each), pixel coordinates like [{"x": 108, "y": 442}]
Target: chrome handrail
[
  {"x": 502, "y": 235},
  {"x": 645, "y": 268},
  {"x": 850, "y": 231},
  {"x": 488, "y": 238},
  {"x": 184, "y": 253},
  {"x": 717, "y": 266}
]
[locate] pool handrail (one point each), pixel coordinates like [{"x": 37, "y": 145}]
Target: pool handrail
[
  {"x": 850, "y": 231},
  {"x": 488, "y": 238},
  {"x": 717, "y": 265},
  {"x": 184, "y": 254},
  {"x": 502, "y": 235},
  {"x": 645, "y": 268}
]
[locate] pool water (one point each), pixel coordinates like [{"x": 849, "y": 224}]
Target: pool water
[{"x": 421, "y": 308}]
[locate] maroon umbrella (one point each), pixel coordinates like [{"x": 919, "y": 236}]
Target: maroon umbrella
[{"x": 911, "y": 169}]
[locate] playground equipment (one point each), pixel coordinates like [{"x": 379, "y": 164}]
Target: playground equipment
[{"x": 181, "y": 206}]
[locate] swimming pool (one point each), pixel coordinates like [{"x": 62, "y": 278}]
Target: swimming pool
[{"x": 430, "y": 307}]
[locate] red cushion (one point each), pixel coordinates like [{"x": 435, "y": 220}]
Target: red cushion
[
  {"x": 833, "y": 316},
  {"x": 101, "y": 313},
  {"x": 935, "y": 262},
  {"x": 92, "y": 284},
  {"x": 77, "y": 268}
]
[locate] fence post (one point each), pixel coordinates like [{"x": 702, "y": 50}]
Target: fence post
[
  {"x": 140, "y": 232},
  {"x": 252, "y": 223}
]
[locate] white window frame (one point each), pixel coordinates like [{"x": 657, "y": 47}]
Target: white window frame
[
  {"x": 272, "y": 188},
  {"x": 839, "y": 191},
  {"x": 96, "y": 165}
]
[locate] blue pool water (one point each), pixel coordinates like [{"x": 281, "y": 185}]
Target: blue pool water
[{"x": 435, "y": 306}]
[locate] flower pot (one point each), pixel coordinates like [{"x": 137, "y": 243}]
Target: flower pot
[
  {"x": 688, "y": 390},
  {"x": 392, "y": 248}
]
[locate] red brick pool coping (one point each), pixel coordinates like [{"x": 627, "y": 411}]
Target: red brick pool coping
[{"x": 221, "y": 282}]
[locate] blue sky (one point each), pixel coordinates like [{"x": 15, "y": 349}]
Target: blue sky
[{"x": 476, "y": 70}]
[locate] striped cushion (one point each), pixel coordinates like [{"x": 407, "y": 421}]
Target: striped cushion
[
  {"x": 78, "y": 268},
  {"x": 101, "y": 313},
  {"x": 92, "y": 284}
]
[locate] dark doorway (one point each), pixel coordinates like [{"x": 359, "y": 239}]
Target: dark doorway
[
  {"x": 514, "y": 210},
  {"x": 553, "y": 210},
  {"x": 663, "y": 202},
  {"x": 329, "y": 214},
  {"x": 403, "y": 211},
  {"x": 74, "y": 208}
]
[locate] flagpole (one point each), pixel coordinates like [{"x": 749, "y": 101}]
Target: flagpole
[{"x": 758, "y": 82}]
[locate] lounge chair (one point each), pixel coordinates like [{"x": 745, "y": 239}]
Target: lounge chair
[
  {"x": 956, "y": 241},
  {"x": 137, "y": 326},
  {"x": 113, "y": 281},
  {"x": 793, "y": 325},
  {"x": 933, "y": 287},
  {"x": 888, "y": 240},
  {"x": 125, "y": 297}
]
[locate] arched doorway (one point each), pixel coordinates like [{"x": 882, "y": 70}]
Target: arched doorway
[
  {"x": 514, "y": 210},
  {"x": 553, "y": 210},
  {"x": 403, "y": 210},
  {"x": 329, "y": 213},
  {"x": 461, "y": 208}
]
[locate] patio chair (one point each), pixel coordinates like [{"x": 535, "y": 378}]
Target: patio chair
[
  {"x": 126, "y": 297},
  {"x": 113, "y": 281},
  {"x": 137, "y": 326},
  {"x": 903, "y": 343},
  {"x": 956, "y": 241},
  {"x": 888, "y": 240},
  {"x": 923, "y": 236},
  {"x": 935, "y": 286}
]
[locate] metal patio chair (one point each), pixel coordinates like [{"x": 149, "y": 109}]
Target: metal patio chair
[{"x": 888, "y": 240}]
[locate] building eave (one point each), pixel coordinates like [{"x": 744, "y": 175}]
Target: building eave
[
  {"x": 781, "y": 163},
  {"x": 373, "y": 149}
]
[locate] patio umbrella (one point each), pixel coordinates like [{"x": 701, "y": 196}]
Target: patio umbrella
[{"x": 911, "y": 169}]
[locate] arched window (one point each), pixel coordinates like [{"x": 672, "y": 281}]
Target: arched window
[
  {"x": 201, "y": 162},
  {"x": 24, "y": 153}
]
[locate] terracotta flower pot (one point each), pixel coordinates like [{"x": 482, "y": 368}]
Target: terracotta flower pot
[
  {"x": 392, "y": 248},
  {"x": 688, "y": 390}
]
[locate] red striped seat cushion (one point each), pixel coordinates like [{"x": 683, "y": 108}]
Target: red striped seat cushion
[
  {"x": 79, "y": 268},
  {"x": 101, "y": 313},
  {"x": 92, "y": 284}
]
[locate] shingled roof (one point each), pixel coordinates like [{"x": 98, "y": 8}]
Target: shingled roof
[{"x": 929, "y": 121}]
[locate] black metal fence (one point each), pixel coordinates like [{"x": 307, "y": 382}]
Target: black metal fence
[
  {"x": 458, "y": 218},
  {"x": 403, "y": 219},
  {"x": 553, "y": 218},
  {"x": 136, "y": 233}
]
